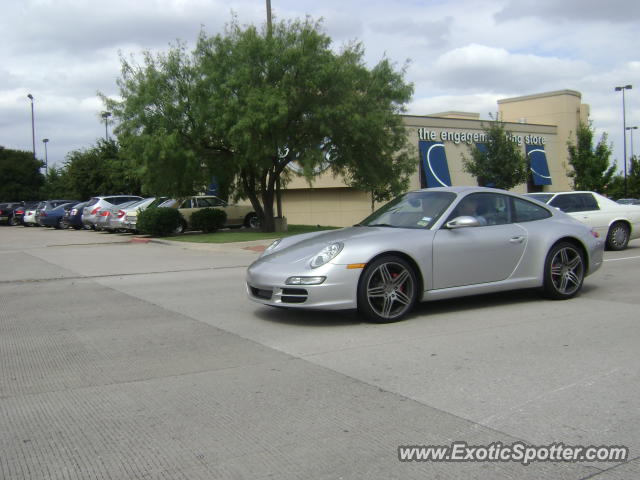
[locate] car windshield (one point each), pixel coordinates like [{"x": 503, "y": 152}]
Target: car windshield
[
  {"x": 413, "y": 210},
  {"x": 541, "y": 197}
]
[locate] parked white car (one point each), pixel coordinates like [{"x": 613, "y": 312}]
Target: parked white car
[{"x": 617, "y": 223}]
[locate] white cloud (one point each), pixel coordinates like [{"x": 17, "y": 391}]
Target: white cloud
[
  {"x": 572, "y": 11},
  {"x": 479, "y": 67}
]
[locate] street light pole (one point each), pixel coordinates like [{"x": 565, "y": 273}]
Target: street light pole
[
  {"x": 278, "y": 184},
  {"x": 624, "y": 132},
  {"x": 33, "y": 126},
  {"x": 631, "y": 129},
  {"x": 106, "y": 116},
  {"x": 46, "y": 156}
]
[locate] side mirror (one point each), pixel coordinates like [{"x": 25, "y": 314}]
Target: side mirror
[{"x": 462, "y": 222}]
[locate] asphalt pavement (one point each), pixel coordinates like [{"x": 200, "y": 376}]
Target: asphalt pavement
[{"x": 128, "y": 360}]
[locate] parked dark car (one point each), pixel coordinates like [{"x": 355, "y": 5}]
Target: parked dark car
[
  {"x": 629, "y": 201},
  {"x": 47, "y": 209},
  {"x": 19, "y": 212},
  {"x": 73, "y": 217},
  {"x": 53, "y": 217},
  {"x": 7, "y": 212}
]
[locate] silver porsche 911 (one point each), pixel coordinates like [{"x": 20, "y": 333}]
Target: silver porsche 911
[{"x": 427, "y": 245}]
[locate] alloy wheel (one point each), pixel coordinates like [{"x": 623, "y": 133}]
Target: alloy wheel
[
  {"x": 390, "y": 290},
  {"x": 567, "y": 270}
]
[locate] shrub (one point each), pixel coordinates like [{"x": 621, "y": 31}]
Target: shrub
[
  {"x": 159, "y": 222},
  {"x": 208, "y": 219}
]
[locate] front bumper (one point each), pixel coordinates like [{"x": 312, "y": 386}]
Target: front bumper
[{"x": 265, "y": 284}]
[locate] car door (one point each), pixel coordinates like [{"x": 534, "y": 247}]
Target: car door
[
  {"x": 232, "y": 211},
  {"x": 482, "y": 254},
  {"x": 186, "y": 209}
]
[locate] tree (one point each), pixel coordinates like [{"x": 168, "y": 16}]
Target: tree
[
  {"x": 101, "y": 169},
  {"x": 501, "y": 163},
  {"x": 56, "y": 184},
  {"x": 615, "y": 188},
  {"x": 246, "y": 104},
  {"x": 591, "y": 169},
  {"x": 20, "y": 173}
]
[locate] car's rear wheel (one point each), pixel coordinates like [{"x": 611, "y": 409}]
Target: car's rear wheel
[
  {"x": 388, "y": 289},
  {"x": 564, "y": 271},
  {"x": 618, "y": 236},
  {"x": 252, "y": 221},
  {"x": 13, "y": 221}
]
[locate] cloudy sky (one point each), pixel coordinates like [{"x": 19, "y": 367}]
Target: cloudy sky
[{"x": 463, "y": 54}]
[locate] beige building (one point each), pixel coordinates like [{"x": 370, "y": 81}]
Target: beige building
[{"x": 540, "y": 124}]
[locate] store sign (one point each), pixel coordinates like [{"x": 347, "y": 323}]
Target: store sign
[{"x": 458, "y": 137}]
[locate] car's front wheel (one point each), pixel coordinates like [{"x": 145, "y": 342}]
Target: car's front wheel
[
  {"x": 388, "y": 289},
  {"x": 180, "y": 228},
  {"x": 252, "y": 221},
  {"x": 564, "y": 271},
  {"x": 618, "y": 236}
]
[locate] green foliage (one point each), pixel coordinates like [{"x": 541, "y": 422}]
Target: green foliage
[
  {"x": 245, "y": 104},
  {"x": 615, "y": 188},
  {"x": 208, "y": 219},
  {"x": 591, "y": 169},
  {"x": 56, "y": 184},
  {"x": 101, "y": 169},
  {"x": 20, "y": 174},
  {"x": 159, "y": 222},
  {"x": 502, "y": 165}
]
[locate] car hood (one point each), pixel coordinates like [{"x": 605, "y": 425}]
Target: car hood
[{"x": 357, "y": 242}]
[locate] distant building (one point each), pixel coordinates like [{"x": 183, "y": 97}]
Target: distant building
[{"x": 540, "y": 124}]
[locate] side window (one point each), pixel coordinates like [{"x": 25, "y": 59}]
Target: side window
[
  {"x": 488, "y": 208},
  {"x": 202, "y": 202},
  {"x": 568, "y": 203},
  {"x": 216, "y": 202},
  {"x": 185, "y": 203},
  {"x": 527, "y": 212},
  {"x": 589, "y": 202}
]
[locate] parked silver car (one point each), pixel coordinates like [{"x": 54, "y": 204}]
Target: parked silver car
[
  {"x": 96, "y": 204},
  {"x": 127, "y": 218},
  {"x": 104, "y": 216},
  {"x": 427, "y": 245}
]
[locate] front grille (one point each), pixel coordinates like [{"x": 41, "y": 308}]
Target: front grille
[
  {"x": 261, "y": 293},
  {"x": 294, "y": 295}
]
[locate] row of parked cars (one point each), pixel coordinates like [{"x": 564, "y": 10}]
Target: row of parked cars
[{"x": 117, "y": 212}]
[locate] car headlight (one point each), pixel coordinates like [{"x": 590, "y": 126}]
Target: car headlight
[
  {"x": 327, "y": 254},
  {"x": 271, "y": 247}
]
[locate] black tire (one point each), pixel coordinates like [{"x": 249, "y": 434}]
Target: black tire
[
  {"x": 564, "y": 271},
  {"x": 252, "y": 221},
  {"x": 387, "y": 290},
  {"x": 618, "y": 236},
  {"x": 76, "y": 227},
  {"x": 13, "y": 221},
  {"x": 180, "y": 229}
]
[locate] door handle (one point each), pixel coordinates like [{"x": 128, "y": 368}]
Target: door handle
[{"x": 518, "y": 239}]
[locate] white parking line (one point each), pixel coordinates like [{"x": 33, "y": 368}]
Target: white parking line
[{"x": 625, "y": 258}]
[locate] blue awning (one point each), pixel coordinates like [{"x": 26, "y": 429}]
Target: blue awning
[
  {"x": 434, "y": 164},
  {"x": 538, "y": 164}
]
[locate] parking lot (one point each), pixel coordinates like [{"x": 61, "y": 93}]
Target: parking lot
[{"x": 145, "y": 360}]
